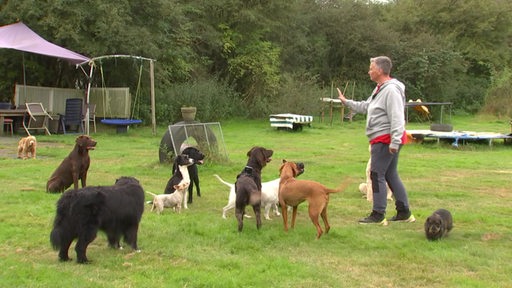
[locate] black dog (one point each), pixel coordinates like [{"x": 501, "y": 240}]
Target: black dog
[
  {"x": 193, "y": 172},
  {"x": 177, "y": 174},
  {"x": 248, "y": 185},
  {"x": 438, "y": 224},
  {"x": 116, "y": 210}
]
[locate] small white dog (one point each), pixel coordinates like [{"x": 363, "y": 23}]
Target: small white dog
[
  {"x": 173, "y": 200},
  {"x": 27, "y": 145},
  {"x": 269, "y": 197},
  {"x": 366, "y": 187}
]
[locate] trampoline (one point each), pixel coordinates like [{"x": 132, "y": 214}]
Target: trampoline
[{"x": 121, "y": 124}]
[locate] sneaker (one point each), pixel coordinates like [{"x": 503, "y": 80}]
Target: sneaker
[
  {"x": 374, "y": 218},
  {"x": 406, "y": 217}
]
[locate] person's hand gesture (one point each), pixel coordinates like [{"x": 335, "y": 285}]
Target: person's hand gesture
[{"x": 341, "y": 96}]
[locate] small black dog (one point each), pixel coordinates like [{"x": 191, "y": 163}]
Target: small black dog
[
  {"x": 438, "y": 224},
  {"x": 193, "y": 153},
  {"x": 116, "y": 210}
]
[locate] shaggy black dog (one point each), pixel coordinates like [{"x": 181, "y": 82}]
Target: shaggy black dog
[
  {"x": 193, "y": 172},
  {"x": 438, "y": 224},
  {"x": 116, "y": 210}
]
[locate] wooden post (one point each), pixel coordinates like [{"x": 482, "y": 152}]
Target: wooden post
[{"x": 152, "y": 78}]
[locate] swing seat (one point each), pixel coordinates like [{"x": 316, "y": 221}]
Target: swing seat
[{"x": 121, "y": 124}]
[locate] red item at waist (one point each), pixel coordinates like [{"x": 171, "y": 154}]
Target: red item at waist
[{"x": 386, "y": 139}]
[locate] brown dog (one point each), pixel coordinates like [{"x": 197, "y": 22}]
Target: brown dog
[
  {"x": 73, "y": 167},
  {"x": 292, "y": 192},
  {"x": 248, "y": 185},
  {"x": 27, "y": 145}
]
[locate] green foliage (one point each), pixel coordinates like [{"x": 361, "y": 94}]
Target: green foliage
[
  {"x": 499, "y": 96},
  {"x": 214, "y": 100},
  {"x": 443, "y": 50}
]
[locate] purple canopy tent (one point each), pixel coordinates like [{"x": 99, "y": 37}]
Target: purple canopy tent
[{"x": 19, "y": 37}]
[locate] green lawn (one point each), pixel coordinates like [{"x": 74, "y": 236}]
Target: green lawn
[{"x": 198, "y": 248}]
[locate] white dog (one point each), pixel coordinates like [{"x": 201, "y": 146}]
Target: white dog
[
  {"x": 269, "y": 197},
  {"x": 366, "y": 187},
  {"x": 173, "y": 200}
]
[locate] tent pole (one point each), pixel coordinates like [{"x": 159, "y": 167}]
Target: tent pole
[
  {"x": 87, "y": 98},
  {"x": 152, "y": 78}
]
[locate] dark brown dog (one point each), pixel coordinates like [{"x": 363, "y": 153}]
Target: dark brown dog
[
  {"x": 248, "y": 185},
  {"x": 292, "y": 192},
  {"x": 438, "y": 224},
  {"x": 73, "y": 167}
]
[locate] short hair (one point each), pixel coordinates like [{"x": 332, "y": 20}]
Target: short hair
[{"x": 384, "y": 63}]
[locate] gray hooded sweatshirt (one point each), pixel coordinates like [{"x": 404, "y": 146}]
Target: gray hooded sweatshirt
[{"x": 386, "y": 112}]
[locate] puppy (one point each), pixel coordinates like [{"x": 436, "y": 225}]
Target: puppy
[
  {"x": 269, "y": 195},
  {"x": 438, "y": 225},
  {"x": 292, "y": 192},
  {"x": 193, "y": 172},
  {"x": 248, "y": 185},
  {"x": 173, "y": 200},
  {"x": 26, "y": 146},
  {"x": 73, "y": 168},
  {"x": 180, "y": 174},
  {"x": 116, "y": 210},
  {"x": 366, "y": 188}
]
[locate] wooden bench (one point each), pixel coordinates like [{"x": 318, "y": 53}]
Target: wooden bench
[{"x": 290, "y": 121}]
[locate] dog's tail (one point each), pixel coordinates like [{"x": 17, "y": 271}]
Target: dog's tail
[
  {"x": 55, "y": 238},
  {"x": 343, "y": 186},
  {"x": 152, "y": 194},
  {"x": 224, "y": 182}
]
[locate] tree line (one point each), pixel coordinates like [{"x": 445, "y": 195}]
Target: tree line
[{"x": 250, "y": 58}]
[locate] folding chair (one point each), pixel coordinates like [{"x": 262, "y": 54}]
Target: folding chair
[
  {"x": 92, "y": 115},
  {"x": 73, "y": 116},
  {"x": 36, "y": 118}
]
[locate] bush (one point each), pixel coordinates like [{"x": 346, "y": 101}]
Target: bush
[{"x": 214, "y": 100}]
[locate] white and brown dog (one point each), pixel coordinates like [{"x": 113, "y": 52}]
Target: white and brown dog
[
  {"x": 269, "y": 195},
  {"x": 27, "y": 145},
  {"x": 366, "y": 187},
  {"x": 173, "y": 200}
]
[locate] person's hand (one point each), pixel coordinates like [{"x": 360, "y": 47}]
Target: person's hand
[
  {"x": 393, "y": 150},
  {"x": 341, "y": 96}
]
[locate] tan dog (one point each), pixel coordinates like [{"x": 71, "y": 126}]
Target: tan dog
[
  {"x": 292, "y": 192},
  {"x": 366, "y": 187},
  {"x": 173, "y": 200},
  {"x": 26, "y": 146}
]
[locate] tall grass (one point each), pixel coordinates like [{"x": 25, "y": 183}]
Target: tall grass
[{"x": 198, "y": 248}]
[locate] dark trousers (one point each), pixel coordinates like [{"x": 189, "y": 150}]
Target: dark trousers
[{"x": 384, "y": 170}]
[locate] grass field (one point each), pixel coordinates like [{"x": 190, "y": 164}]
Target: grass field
[{"x": 198, "y": 248}]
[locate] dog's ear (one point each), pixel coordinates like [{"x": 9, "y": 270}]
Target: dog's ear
[
  {"x": 284, "y": 161},
  {"x": 250, "y": 151}
]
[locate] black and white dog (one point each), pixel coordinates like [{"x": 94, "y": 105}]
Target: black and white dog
[
  {"x": 179, "y": 175},
  {"x": 198, "y": 157}
]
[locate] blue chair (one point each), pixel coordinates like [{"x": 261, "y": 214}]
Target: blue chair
[{"x": 73, "y": 117}]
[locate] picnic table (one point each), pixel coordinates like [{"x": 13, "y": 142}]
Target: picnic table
[{"x": 290, "y": 121}]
